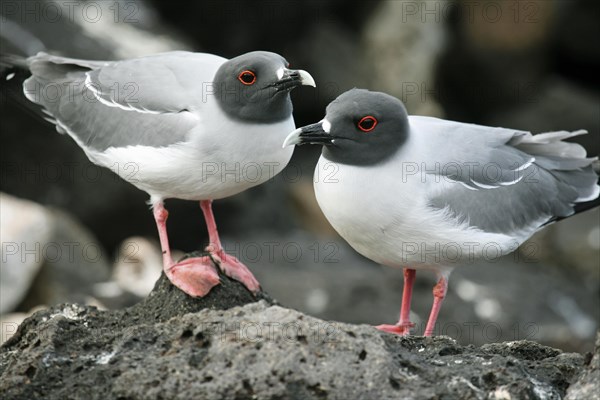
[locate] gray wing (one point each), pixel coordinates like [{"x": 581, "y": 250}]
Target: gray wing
[
  {"x": 515, "y": 182},
  {"x": 144, "y": 101}
]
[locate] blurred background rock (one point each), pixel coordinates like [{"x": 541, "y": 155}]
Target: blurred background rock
[{"x": 529, "y": 65}]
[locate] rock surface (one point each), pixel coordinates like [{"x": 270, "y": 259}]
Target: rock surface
[
  {"x": 588, "y": 383},
  {"x": 233, "y": 345}
]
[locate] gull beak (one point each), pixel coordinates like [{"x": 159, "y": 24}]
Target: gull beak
[
  {"x": 292, "y": 78},
  {"x": 313, "y": 134},
  {"x": 305, "y": 78}
]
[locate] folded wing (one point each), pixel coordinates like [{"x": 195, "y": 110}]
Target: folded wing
[
  {"x": 506, "y": 181},
  {"x": 148, "y": 101}
]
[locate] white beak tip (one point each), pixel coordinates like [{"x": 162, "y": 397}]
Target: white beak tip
[
  {"x": 292, "y": 138},
  {"x": 307, "y": 78}
]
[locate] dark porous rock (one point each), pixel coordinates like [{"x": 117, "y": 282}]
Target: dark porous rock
[
  {"x": 166, "y": 301},
  {"x": 587, "y": 385},
  {"x": 233, "y": 345}
]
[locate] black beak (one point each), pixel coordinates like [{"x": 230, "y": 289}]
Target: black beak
[
  {"x": 313, "y": 134},
  {"x": 292, "y": 78}
]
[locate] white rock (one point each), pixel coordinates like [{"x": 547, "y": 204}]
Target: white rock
[{"x": 25, "y": 227}]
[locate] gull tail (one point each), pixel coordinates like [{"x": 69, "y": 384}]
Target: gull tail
[
  {"x": 14, "y": 70},
  {"x": 13, "y": 61},
  {"x": 578, "y": 208},
  {"x": 11, "y": 67},
  {"x": 588, "y": 205},
  {"x": 568, "y": 163}
]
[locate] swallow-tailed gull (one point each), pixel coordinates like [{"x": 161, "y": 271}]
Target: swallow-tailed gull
[
  {"x": 180, "y": 125},
  {"x": 424, "y": 193}
]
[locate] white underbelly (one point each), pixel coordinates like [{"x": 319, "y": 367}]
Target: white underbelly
[
  {"x": 208, "y": 170},
  {"x": 384, "y": 221}
]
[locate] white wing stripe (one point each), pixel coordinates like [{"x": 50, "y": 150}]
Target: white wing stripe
[
  {"x": 526, "y": 165},
  {"x": 512, "y": 182},
  {"x": 98, "y": 95},
  {"x": 483, "y": 185}
]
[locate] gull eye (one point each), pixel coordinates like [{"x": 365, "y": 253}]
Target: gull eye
[
  {"x": 247, "y": 77},
  {"x": 367, "y": 124}
]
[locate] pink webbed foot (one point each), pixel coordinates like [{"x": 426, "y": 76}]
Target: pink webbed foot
[
  {"x": 233, "y": 268},
  {"x": 398, "y": 329},
  {"x": 194, "y": 276}
]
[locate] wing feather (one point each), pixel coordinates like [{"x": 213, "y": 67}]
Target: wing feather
[
  {"x": 149, "y": 101},
  {"x": 512, "y": 182}
]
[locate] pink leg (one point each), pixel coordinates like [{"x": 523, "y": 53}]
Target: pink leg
[
  {"x": 194, "y": 276},
  {"x": 439, "y": 293},
  {"x": 403, "y": 326},
  {"x": 230, "y": 265}
]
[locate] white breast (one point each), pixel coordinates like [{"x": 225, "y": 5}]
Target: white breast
[
  {"x": 222, "y": 158},
  {"x": 383, "y": 214}
]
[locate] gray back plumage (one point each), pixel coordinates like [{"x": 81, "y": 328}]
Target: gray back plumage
[
  {"x": 102, "y": 104},
  {"x": 519, "y": 181}
]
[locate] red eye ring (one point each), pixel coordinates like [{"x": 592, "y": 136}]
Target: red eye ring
[
  {"x": 367, "y": 119},
  {"x": 247, "y": 77}
]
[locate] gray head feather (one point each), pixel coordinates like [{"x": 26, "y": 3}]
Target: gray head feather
[{"x": 371, "y": 141}]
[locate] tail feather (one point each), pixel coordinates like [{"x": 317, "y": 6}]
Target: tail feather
[
  {"x": 551, "y": 144},
  {"x": 578, "y": 208},
  {"x": 556, "y": 163},
  {"x": 587, "y": 205},
  {"x": 28, "y": 76},
  {"x": 567, "y": 162},
  {"x": 550, "y": 137},
  {"x": 14, "y": 70},
  {"x": 13, "y": 61}
]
